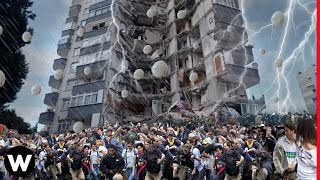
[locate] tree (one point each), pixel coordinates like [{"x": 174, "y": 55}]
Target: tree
[
  {"x": 14, "y": 17},
  {"x": 9, "y": 118},
  {"x": 35, "y": 128}
]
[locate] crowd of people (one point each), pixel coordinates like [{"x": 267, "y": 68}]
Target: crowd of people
[{"x": 157, "y": 151}]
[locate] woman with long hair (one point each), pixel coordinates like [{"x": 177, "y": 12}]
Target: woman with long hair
[
  {"x": 139, "y": 169},
  {"x": 307, "y": 149}
]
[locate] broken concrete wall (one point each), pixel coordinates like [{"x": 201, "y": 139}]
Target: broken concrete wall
[{"x": 152, "y": 36}]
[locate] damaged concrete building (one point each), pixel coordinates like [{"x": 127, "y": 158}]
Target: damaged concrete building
[{"x": 202, "y": 45}]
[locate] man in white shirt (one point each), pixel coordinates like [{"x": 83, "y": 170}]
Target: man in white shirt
[
  {"x": 288, "y": 146},
  {"x": 129, "y": 155}
]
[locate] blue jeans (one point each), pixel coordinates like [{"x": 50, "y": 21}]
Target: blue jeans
[
  {"x": 95, "y": 176},
  {"x": 209, "y": 174},
  {"x": 129, "y": 174}
]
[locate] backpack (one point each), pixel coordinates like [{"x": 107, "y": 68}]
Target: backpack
[
  {"x": 77, "y": 162},
  {"x": 152, "y": 166},
  {"x": 231, "y": 168}
]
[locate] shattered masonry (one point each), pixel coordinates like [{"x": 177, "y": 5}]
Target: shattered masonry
[{"x": 206, "y": 37}]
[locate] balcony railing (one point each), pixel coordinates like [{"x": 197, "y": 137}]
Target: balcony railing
[
  {"x": 51, "y": 99},
  {"x": 233, "y": 73},
  {"x": 46, "y": 118}
]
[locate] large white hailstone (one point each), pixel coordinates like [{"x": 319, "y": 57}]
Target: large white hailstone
[
  {"x": 278, "y": 63},
  {"x": 182, "y": 14},
  {"x": 193, "y": 77},
  {"x": 124, "y": 93},
  {"x": 26, "y": 36},
  {"x": 196, "y": 45},
  {"x": 277, "y": 18},
  {"x": 80, "y": 32},
  {"x": 2, "y": 78},
  {"x": 276, "y": 99},
  {"x": 229, "y": 28},
  {"x": 160, "y": 69},
  {"x": 255, "y": 65},
  {"x": 36, "y": 90},
  {"x": 58, "y": 74},
  {"x": 1, "y": 30},
  {"x": 262, "y": 51},
  {"x": 102, "y": 39},
  {"x": 138, "y": 74},
  {"x": 147, "y": 49},
  {"x": 117, "y": 177},
  {"x": 78, "y": 127},
  {"x": 87, "y": 71},
  {"x": 152, "y": 12}
]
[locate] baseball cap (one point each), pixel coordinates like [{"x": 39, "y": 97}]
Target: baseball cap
[{"x": 206, "y": 141}]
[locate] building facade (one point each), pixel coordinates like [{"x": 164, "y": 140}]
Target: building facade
[
  {"x": 307, "y": 82},
  {"x": 104, "y": 43}
]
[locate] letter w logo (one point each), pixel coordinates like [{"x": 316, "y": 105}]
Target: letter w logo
[{"x": 19, "y": 162}]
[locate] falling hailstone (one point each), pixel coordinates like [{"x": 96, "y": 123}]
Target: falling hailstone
[
  {"x": 1, "y": 30},
  {"x": 196, "y": 45},
  {"x": 124, "y": 93},
  {"x": 276, "y": 100},
  {"x": 80, "y": 32},
  {"x": 277, "y": 18},
  {"x": 147, "y": 49},
  {"x": 87, "y": 71},
  {"x": 255, "y": 65},
  {"x": 26, "y": 36},
  {"x": 58, "y": 74},
  {"x": 193, "y": 77},
  {"x": 138, "y": 74},
  {"x": 102, "y": 39},
  {"x": 229, "y": 28},
  {"x": 160, "y": 69},
  {"x": 278, "y": 63},
  {"x": 78, "y": 127},
  {"x": 36, "y": 90},
  {"x": 262, "y": 51},
  {"x": 182, "y": 14},
  {"x": 151, "y": 12},
  {"x": 2, "y": 78}
]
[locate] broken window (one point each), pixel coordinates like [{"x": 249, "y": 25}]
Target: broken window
[
  {"x": 101, "y": 25},
  {"x": 94, "y": 27}
]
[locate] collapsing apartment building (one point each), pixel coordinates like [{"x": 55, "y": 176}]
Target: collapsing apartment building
[{"x": 205, "y": 38}]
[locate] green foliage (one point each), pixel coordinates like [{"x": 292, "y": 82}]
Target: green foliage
[
  {"x": 9, "y": 118},
  {"x": 14, "y": 17}
]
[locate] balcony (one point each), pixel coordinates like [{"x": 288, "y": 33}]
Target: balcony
[
  {"x": 54, "y": 83},
  {"x": 95, "y": 33},
  {"x": 139, "y": 98},
  {"x": 94, "y": 48},
  {"x": 72, "y": 19},
  {"x": 233, "y": 73},
  {"x": 64, "y": 47},
  {"x": 59, "y": 63},
  {"x": 99, "y": 3},
  {"x": 46, "y": 118},
  {"x": 229, "y": 40},
  {"x": 74, "y": 10},
  {"x": 51, "y": 99},
  {"x": 227, "y": 14},
  {"x": 241, "y": 56},
  {"x": 97, "y": 68},
  {"x": 97, "y": 18},
  {"x": 84, "y": 111},
  {"x": 88, "y": 87}
]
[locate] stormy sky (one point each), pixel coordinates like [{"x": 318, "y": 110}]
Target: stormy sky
[{"x": 51, "y": 15}]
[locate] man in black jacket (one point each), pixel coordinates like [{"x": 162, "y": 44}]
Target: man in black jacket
[
  {"x": 183, "y": 134},
  {"x": 112, "y": 163}
]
